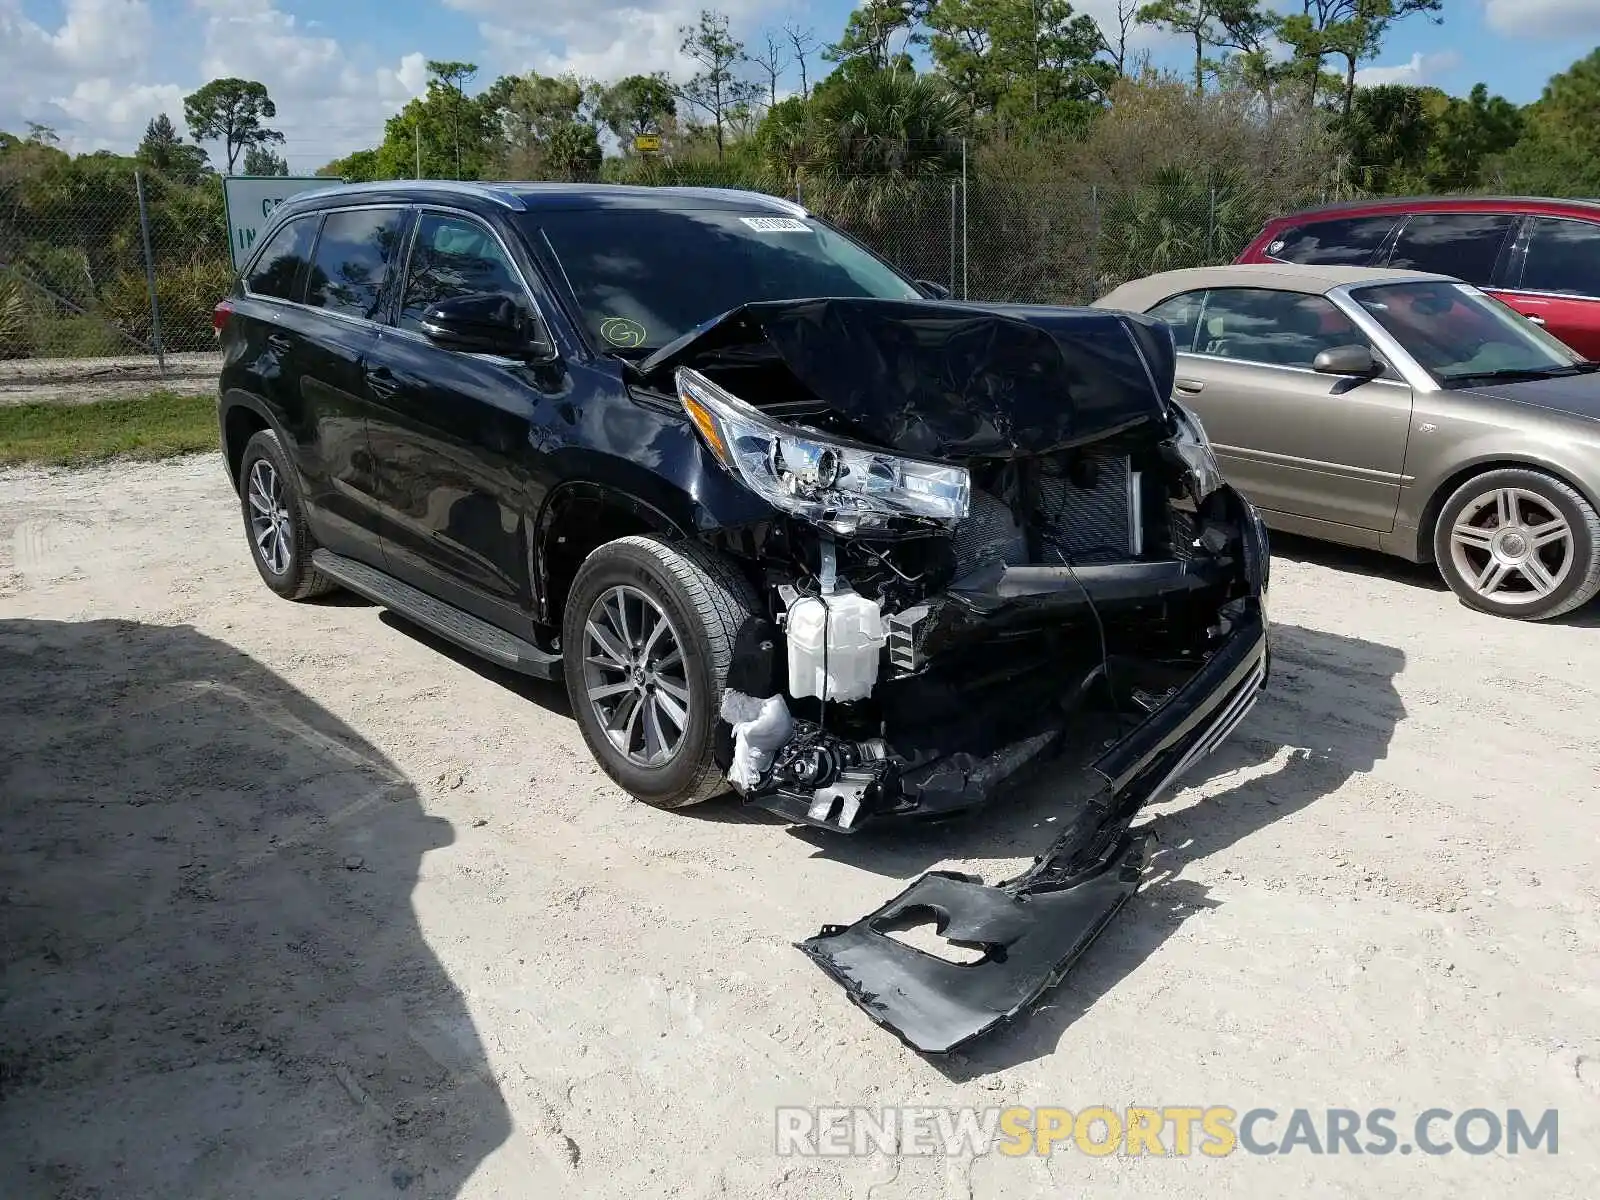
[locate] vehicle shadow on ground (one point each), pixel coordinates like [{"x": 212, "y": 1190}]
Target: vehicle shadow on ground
[
  {"x": 214, "y": 980},
  {"x": 1329, "y": 712}
]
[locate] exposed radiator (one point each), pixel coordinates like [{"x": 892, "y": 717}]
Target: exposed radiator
[{"x": 1092, "y": 523}]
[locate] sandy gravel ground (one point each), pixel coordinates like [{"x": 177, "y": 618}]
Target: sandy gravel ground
[
  {"x": 84, "y": 380},
  {"x": 297, "y": 904}
]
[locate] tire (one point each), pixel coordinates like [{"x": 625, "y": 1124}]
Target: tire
[
  {"x": 297, "y": 579},
  {"x": 705, "y": 603},
  {"x": 1474, "y": 543}
]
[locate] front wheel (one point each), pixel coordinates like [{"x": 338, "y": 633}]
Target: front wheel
[
  {"x": 1519, "y": 543},
  {"x": 648, "y": 639}
]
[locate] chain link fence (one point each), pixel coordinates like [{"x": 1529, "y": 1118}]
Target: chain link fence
[{"x": 125, "y": 263}]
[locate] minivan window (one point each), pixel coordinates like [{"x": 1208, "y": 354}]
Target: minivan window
[
  {"x": 643, "y": 278},
  {"x": 455, "y": 256},
  {"x": 1563, "y": 257},
  {"x": 277, "y": 272},
  {"x": 1347, "y": 242},
  {"x": 352, "y": 260},
  {"x": 1465, "y": 245}
]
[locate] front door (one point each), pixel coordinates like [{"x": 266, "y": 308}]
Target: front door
[
  {"x": 1323, "y": 448},
  {"x": 451, "y": 432}
]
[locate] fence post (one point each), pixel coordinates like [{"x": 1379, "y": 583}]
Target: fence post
[
  {"x": 953, "y": 186},
  {"x": 964, "y": 260},
  {"x": 149, "y": 271},
  {"x": 1211, "y": 228}
]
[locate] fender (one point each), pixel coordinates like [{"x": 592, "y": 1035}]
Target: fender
[{"x": 236, "y": 398}]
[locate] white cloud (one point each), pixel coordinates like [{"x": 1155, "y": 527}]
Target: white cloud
[
  {"x": 1422, "y": 69},
  {"x": 1544, "y": 18}
]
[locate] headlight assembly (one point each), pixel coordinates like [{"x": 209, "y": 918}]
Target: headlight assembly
[
  {"x": 839, "y": 486},
  {"x": 1194, "y": 447}
]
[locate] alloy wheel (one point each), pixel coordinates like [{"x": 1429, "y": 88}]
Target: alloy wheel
[
  {"x": 635, "y": 677},
  {"x": 270, "y": 525},
  {"x": 1512, "y": 546}
]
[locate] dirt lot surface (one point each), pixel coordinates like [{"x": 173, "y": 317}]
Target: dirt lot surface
[
  {"x": 85, "y": 380},
  {"x": 296, "y": 904}
]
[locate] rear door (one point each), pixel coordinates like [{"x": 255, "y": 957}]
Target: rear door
[
  {"x": 348, "y": 280},
  {"x": 1555, "y": 279},
  {"x": 453, "y": 431},
  {"x": 1323, "y": 448}
]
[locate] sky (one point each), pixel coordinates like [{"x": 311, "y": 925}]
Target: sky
[{"x": 97, "y": 70}]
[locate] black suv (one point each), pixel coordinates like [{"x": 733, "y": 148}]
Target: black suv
[{"x": 778, "y": 516}]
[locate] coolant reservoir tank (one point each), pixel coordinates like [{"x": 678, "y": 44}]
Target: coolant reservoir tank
[{"x": 834, "y": 643}]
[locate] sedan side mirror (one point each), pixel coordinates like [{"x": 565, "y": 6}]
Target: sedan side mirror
[
  {"x": 484, "y": 323},
  {"x": 934, "y": 291},
  {"x": 1348, "y": 360}
]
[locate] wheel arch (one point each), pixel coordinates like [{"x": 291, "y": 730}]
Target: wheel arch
[
  {"x": 240, "y": 417},
  {"x": 1441, "y": 492},
  {"x": 576, "y": 519}
]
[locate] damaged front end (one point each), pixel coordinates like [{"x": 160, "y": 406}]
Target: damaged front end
[{"x": 999, "y": 526}]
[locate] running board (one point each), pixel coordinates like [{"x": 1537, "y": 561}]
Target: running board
[{"x": 446, "y": 620}]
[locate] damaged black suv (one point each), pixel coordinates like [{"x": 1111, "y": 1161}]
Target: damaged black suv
[{"x": 781, "y": 518}]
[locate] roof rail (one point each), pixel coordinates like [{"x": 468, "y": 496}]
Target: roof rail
[
  {"x": 778, "y": 202},
  {"x": 495, "y": 195}
]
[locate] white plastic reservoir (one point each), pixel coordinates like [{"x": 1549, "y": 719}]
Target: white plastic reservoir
[{"x": 834, "y": 643}]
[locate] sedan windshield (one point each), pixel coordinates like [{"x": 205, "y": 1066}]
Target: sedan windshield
[
  {"x": 645, "y": 277},
  {"x": 1464, "y": 338}
]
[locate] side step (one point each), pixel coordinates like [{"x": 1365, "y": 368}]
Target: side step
[{"x": 446, "y": 620}]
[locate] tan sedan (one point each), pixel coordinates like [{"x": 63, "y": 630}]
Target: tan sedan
[{"x": 1404, "y": 412}]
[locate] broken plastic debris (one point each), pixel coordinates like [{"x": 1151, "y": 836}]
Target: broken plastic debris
[{"x": 760, "y": 727}]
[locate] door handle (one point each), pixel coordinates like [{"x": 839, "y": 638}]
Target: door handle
[
  {"x": 1190, "y": 386},
  {"x": 382, "y": 381},
  {"x": 1534, "y": 319},
  {"x": 279, "y": 342}
]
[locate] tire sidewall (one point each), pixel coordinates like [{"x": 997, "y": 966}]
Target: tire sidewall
[
  {"x": 630, "y": 565},
  {"x": 264, "y": 445},
  {"x": 1583, "y": 546}
]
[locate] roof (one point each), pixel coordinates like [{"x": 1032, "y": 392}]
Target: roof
[
  {"x": 532, "y": 197},
  {"x": 1409, "y": 203},
  {"x": 1143, "y": 294}
]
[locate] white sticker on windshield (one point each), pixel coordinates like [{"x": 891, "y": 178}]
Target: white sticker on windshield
[{"x": 776, "y": 224}]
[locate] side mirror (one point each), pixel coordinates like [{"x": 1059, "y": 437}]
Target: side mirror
[
  {"x": 1348, "y": 360},
  {"x": 484, "y": 323},
  {"x": 934, "y": 291}
]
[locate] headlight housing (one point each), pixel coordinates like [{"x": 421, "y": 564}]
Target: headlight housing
[
  {"x": 839, "y": 486},
  {"x": 1194, "y": 447}
]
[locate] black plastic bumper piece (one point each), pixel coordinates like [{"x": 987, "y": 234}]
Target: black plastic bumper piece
[{"x": 1033, "y": 928}]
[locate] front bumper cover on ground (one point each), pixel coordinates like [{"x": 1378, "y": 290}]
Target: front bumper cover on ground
[{"x": 1032, "y": 928}]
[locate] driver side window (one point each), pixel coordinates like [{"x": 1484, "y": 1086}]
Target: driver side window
[
  {"x": 455, "y": 256},
  {"x": 1283, "y": 329}
]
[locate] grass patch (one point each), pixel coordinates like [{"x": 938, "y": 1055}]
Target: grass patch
[{"x": 159, "y": 425}]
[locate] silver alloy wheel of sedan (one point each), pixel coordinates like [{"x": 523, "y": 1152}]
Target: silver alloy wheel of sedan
[
  {"x": 1512, "y": 546},
  {"x": 270, "y": 524},
  {"x": 635, "y": 677}
]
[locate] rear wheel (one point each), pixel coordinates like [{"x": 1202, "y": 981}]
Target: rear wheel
[
  {"x": 1519, "y": 543},
  {"x": 275, "y": 522},
  {"x": 648, "y": 638}
]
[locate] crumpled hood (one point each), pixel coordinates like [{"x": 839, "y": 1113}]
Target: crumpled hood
[
  {"x": 1578, "y": 395},
  {"x": 950, "y": 381}
]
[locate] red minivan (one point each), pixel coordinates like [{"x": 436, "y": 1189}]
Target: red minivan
[{"x": 1542, "y": 257}]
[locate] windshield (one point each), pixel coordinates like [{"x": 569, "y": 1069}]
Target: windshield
[
  {"x": 645, "y": 277},
  {"x": 1462, "y": 337}
]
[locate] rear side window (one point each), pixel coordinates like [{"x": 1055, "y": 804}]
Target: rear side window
[
  {"x": 279, "y": 269},
  {"x": 1563, "y": 257},
  {"x": 1348, "y": 242},
  {"x": 1285, "y": 329},
  {"x": 352, "y": 260},
  {"x": 1466, "y": 245},
  {"x": 1181, "y": 314},
  {"x": 454, "y": 256}
]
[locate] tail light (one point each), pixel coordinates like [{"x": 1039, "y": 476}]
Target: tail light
[{"x": 220, "y": 315}]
